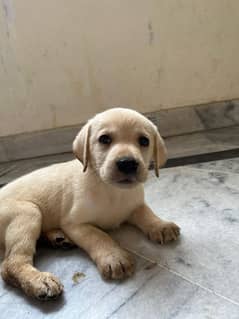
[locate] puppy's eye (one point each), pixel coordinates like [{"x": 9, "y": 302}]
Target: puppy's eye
[
  {"x": 105, "y": 139},
  {"x": 143, "y": 141}
]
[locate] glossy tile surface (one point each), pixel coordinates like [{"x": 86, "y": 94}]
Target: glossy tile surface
[{"x": 196, "y": 277}]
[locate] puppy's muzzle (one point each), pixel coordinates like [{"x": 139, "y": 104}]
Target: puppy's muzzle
[{"x": 127, "y": 165}]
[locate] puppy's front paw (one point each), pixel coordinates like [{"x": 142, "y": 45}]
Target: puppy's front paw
[
  {"x": 163, "y": 232},
  {"x": 118, "y": 264},
  {"x": 43, "y": 286}
]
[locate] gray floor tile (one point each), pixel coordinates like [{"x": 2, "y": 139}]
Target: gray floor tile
[
  {"x": 165, "y": 296},
  {"x": 203, "y": 142},
  {"x": 228, "y": 166},
  {"x": 205, "y": 205},
  {"x": 196, "y": 277}
]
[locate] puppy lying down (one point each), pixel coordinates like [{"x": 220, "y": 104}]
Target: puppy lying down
[{"x": 99, "y": 190}]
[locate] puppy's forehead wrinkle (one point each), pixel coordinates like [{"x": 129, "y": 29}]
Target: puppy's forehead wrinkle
[
  {"x": 120, "y": 114},
  {"x": 122, "y": 125}
]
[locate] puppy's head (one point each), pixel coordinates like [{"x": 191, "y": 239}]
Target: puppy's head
[{"x": 118, "y": 145}]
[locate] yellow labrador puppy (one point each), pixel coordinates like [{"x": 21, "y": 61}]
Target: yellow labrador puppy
[{"x": 99, "y": 190}]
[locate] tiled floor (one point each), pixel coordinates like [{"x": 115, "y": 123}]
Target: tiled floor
[{"x": 196, "y": 277}]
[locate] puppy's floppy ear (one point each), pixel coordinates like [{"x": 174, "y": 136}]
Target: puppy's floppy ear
[
  {"x": 81, "y": 145},
  {"x": 160, "y": 152}
]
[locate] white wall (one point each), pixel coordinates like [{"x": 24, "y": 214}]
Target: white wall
[{"x": 62, "y": 61}]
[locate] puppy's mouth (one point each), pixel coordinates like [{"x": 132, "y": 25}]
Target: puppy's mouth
[{"x": 127, "y": 181}]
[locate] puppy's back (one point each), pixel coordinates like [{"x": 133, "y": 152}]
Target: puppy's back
[{"x": 40, "y": 182}]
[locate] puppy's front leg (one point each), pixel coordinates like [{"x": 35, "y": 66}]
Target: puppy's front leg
[
  {"x": 112, "y": 261},
  {"x": 154, "y": 227}
]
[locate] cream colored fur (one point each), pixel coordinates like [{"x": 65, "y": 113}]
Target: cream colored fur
[{"x": 80, "y": 198}]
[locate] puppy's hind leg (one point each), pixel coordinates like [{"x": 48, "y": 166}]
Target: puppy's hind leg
[
  {"x": 57, "y": 239},
  {"x": 20, "y": 242}
]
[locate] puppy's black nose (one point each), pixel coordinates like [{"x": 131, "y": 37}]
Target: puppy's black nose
[{"x": 127, "y": 165}]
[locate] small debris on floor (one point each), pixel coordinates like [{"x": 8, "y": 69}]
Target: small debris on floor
[{"x": 77, "y": 276}]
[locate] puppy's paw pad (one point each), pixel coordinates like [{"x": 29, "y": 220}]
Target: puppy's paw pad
[
  {"x": 164, "y": 232},
  {"x": 117, "y": 265},
  {"x": 44, "y": 286}
]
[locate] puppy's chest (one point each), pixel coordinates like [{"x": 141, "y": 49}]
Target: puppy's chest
[{"x": 107, "y": 210}]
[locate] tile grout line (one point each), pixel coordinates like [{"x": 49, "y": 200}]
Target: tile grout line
[
  {"x": 212, "y": 170},
  {"x": 197, "y": 169},
  {"x": 7, "y": 170},
  {"x": 183, "y": 277},
  {"x": 110, "y": 291},
  {"x": 131, "y": 296}
]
